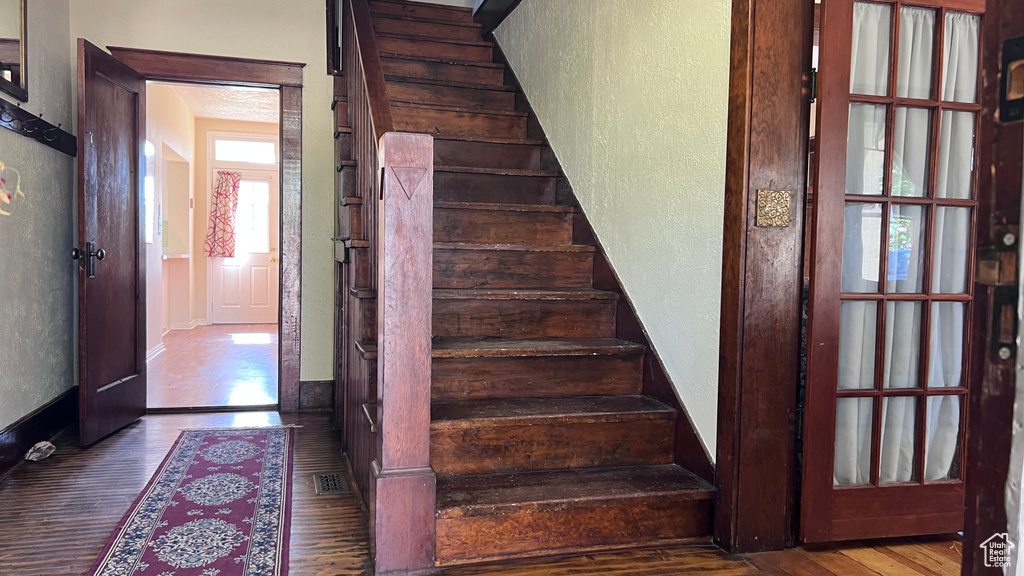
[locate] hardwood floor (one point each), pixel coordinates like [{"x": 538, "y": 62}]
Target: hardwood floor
[
  {"x": 219, "y": 365},
  {"x": 56, "y": 515}
]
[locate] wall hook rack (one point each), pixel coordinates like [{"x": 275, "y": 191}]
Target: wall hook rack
[{"x": 15, "y": 119}]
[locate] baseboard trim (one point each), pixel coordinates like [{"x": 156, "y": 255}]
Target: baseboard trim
[
  {"x": 42, "y": 424},
  {"x": 156, "y": 351},
  {"x": 316, "y": 395},
  {"x": 188, "y": 325}
]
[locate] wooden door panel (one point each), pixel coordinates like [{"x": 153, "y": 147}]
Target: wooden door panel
[
  {"x": 112, "y": 302},
  {"x": 889, "y": 307}
]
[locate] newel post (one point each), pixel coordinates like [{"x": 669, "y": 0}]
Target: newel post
[{"x": 404, "y": 529}]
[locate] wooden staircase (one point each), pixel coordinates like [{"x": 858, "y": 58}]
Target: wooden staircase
[{"x": 541, "y": 437}]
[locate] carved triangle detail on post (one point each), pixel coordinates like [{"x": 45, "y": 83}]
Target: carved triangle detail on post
[{"x": 409, "y": 177}]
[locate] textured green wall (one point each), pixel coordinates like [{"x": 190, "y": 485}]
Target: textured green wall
[
  {"x": 633, "y": 98},
  {"x": 37, "y": 276}
]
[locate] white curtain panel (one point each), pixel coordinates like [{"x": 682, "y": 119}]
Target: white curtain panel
[{"x": 863, "y": 227}]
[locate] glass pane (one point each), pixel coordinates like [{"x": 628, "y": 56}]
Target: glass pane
[
  {"x": 917, "y": 47},
  {"x": 942, "y": 438},
  {"x": 869, "y": 59},
  {"x": 952, "y": 240},
  {"x": 910, "y": 150},
  {"x": 902, "y": 344},
  {"x": 946, "y": 345},
  {"x": 245, "y": 151},
  {"x": 862, "y": 242},
  {"x": 960, "y": 63},
  {"x": 858, "y": 322},
  {"x": 899, "y": 431},
  {"x": 865, "y": 149},
  {"x": 252, "y": 218},
  {"x": 906, "y": 249},
  {"x": 956, "y": 155},
  {"x": 853, "y": 441}
]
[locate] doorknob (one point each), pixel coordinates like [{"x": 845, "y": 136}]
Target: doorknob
[{"x": 90, "y": 256}]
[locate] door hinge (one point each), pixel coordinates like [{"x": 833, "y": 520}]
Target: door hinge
[
  {"x": 812, "y": 85},
  {"x": 800, "y": 421},
  {"x": 997, "y": 264}
]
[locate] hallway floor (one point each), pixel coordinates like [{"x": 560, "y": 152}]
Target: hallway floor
[
  {"x": 219, "y": 365},
  {"x": 56, "y": 515}
]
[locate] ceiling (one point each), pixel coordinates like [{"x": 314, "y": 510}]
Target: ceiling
[{"x": 231, "y": 102}]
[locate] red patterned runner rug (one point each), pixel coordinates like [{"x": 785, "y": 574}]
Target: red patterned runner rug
[{"x": 219, "y": 505}]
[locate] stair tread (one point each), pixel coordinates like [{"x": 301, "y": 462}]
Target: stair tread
[
  {"x": 481, "y": 43},
  {"x": 504, "y": 207},
  {"x": 501, "y": 348},
  {"x": 515, "y": 247},
  {"x": 426, "y": 5},
  {"x": 478, "y": 64},
  {"x": 504, "y": 294},
  {"x": 450, "y": 83},
  {"x": 499, "y": 171},
  {"x": 376, "y": 15},
  {"x": 491, "y": 140},
  {"x": 525, "y": 492},
  {"x": 463, "y": 109},
  {"x": 447, "y": 415}
]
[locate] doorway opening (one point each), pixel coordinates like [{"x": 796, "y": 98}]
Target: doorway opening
[{"x": 212, "y": 217}]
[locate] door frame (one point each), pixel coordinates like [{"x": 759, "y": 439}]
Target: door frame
[
  {"x": 160, "y": 66},
  {"x": 762, "y": 275}
]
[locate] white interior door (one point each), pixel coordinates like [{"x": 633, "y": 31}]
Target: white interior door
[{"x": 244, "y": 289}]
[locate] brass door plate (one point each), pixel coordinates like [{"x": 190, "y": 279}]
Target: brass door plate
[{"x": 773, "y": 208}]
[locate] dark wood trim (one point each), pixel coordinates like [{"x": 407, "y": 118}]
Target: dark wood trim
[
  {"x": 762, "y": 279},
  {"x": 992, "y": 379},
  {"x": 287, "y": 77},
  {"x": 181, "y": 67},
  {"x": 316, "y": 395},
  {"x": 403, "y": 527},
  {"x": 289, "y": 337},
  {"x": 334, "y": 61},
  {"x": 41, "y": 424},
  {"x": 493, "y": 12},
  {"x": 373, "y": 73}
]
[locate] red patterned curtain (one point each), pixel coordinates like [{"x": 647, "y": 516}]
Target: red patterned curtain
[{"x": 220, "y": 235}]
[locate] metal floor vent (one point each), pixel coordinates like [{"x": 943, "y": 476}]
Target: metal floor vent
[{"x": 330, "y": 484}]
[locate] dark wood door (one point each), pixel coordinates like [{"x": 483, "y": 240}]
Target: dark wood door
[
  {"x": 892, "y": 261},
  {"x": 111, "y": 285}
]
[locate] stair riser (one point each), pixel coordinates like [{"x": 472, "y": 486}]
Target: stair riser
[
  {"x": 502, "y": 227},
  {"x": 451, "y": 96},
  {"x": 486, "y": 155},
  {"x": 493, "y": 188},
  {"x": 524, "y": 319},
  {"x": 553, "y": 377},
  {"x": 432, "y": 49},
  {"x": 442, "y": 71},
  {"x": 513, "y": 269},
  {"x": 458, "y": 124},
  {"x": 483, "y": 538},
  {"x": 418, "y": 11},
  {"x": 426, "y": 29},
  {"x": 543, "y": 446}
]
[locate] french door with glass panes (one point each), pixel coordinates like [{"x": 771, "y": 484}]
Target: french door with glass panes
[{"x": 892, "y": 262}]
